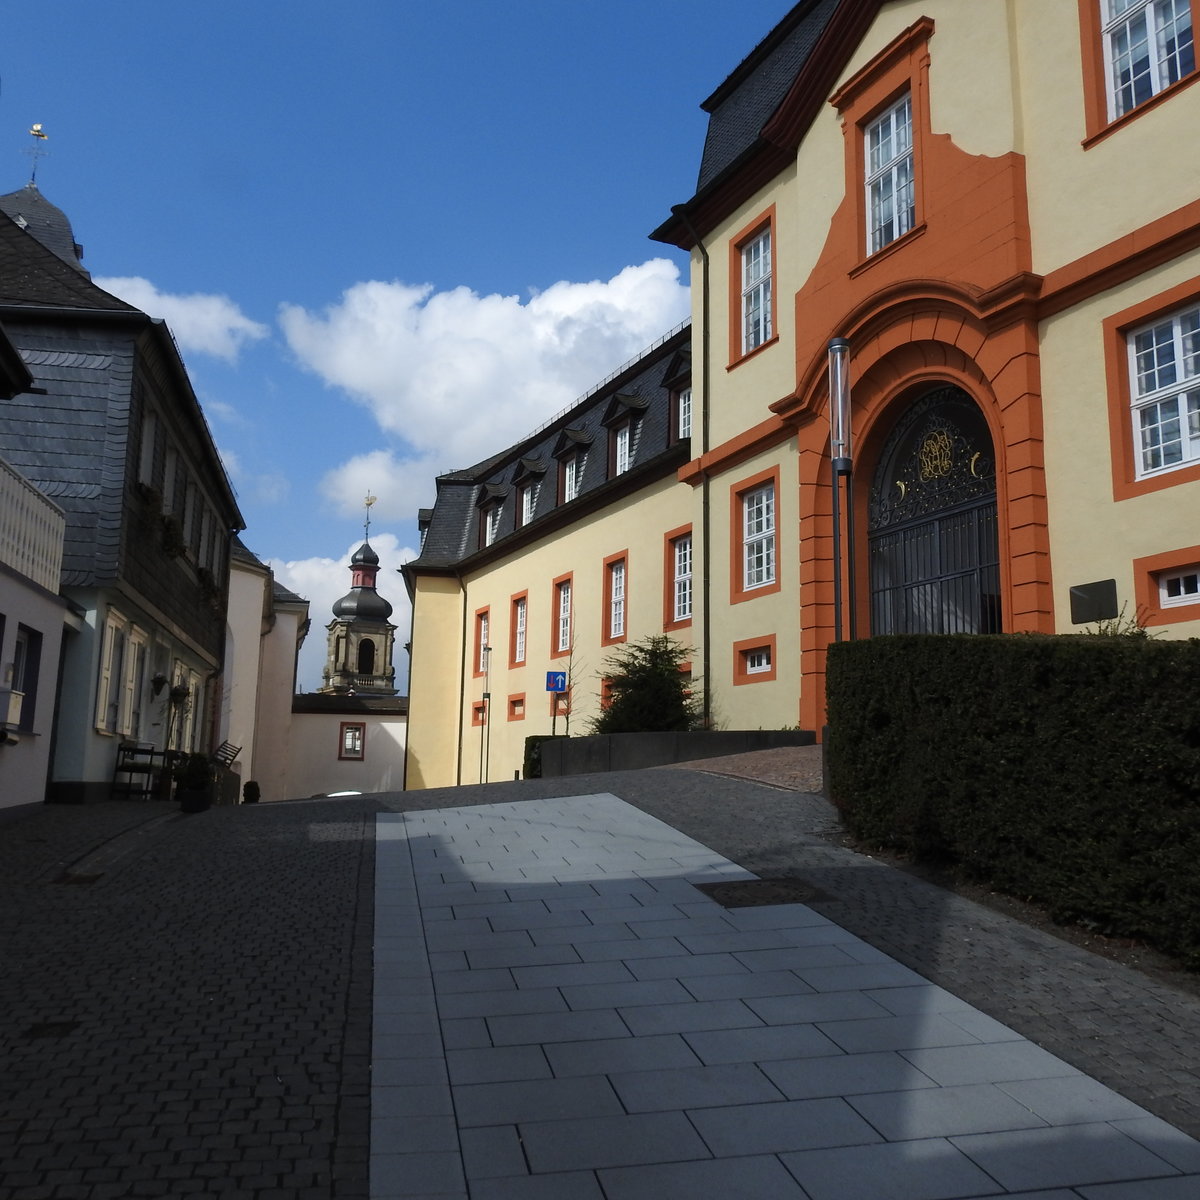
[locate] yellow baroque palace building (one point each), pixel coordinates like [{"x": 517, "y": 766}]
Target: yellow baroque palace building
[{"x": 995, "y": 206}]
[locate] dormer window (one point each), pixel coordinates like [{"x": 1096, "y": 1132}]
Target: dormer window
[
  {"x": 623, "y": 418},
  {"x": 572, "y": 471},
  {"x": 571, "y": 452},
  {"x": 491, "y": 507}
]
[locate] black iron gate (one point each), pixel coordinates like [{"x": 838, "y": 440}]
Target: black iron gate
[{"x": 932, "y": 539}]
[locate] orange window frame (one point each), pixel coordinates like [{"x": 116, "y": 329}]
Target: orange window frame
[
  {"x": 741, "y": 653},
  {"x": 483, "y": 616},
  {"x": 514, "y": 600},
  {"x": 763, "y": 223},
  {"x": 516, "y": 706},
  {"x": 1116, "y": 330},
  {"x": 555, "y": 598},
  {"x": 738, "y": 592},
  {"x": 1097, "y": 122},
  {"x": 1150, "y": 608},
  {"x": 607, "y": 637},
  {"x": 902, "y": 66},
  {"x": 669, "y": 540}
]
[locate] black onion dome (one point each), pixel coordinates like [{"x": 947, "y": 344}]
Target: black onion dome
[
  {"x": 365, "y": 603},
  {"x": 364, "y": 555}
]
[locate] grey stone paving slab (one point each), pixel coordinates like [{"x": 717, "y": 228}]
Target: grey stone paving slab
[
  {"x": 784, "y": 1125},
  {"x": 1062, "y": 1157},
  {"x": 921, "y": 1170},
  {"x": 759, "y": 1178},
  {"x": 492, "y": 1152},
  {"x": 607, "y": 1031},
  {"x": 693, "y": 1087},
  {"x": 689, "y": 1016},
  {"x": 764, "y": 1043},
  {"x": 944, "y": 1112},
  {"x": 616, "y": 1141},
  {"x": 624, "y": 1054},
  {"x": 535, "y": 1100}
]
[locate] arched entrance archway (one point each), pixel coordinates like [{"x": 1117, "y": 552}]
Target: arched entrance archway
[
  {"x": 366, "y": 657},
  {"x": 932, "y": 536}
]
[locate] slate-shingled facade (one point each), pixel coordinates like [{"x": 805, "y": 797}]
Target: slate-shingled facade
[
  {"x": 475, "y": 569},
  {"x": 113, "y": 433}
]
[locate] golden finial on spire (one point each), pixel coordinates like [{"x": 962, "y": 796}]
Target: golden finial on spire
[
  {"x": 367, "y": 523},
  {"x": 37, "y": 150}
]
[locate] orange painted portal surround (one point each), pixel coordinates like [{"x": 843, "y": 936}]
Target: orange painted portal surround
[{"x": 951, "y": 302}]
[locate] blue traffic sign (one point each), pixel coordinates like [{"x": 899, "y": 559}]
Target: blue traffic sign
[{"x": 556, "y": 681}]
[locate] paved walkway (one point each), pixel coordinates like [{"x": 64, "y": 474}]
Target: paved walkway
[
  {"x": 188, "y": 999},
  {"x": 561, "y": 1015}
]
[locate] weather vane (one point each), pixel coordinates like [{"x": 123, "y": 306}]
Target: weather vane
[
  {"x": 367, "y": 523},
  {"x": 37, "y": 150}
]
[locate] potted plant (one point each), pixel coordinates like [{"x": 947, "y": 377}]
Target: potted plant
[{"x": 194, "y": 783}]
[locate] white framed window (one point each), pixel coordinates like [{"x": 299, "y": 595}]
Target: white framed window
[
  {"x": 616, "y": 599},
  {"x": 891, "y": 196},
  {"x": 491, "y": 524},
  {"x": 572, "y": 469},
  {"x": 685, "y": 412},
  {"x": 758, "y": 536},
  {"x": 520, "y": 616},
  {"x": 1179, "y": 587},
  {"x": 1164, "y": 369},
  {"x": 529, "y": 494},
  {"x": 621, "y": 450},
  {"x": 563, "y": 610},
  {"x": 758, "y": 661},
  {"x": 756, "y": 292},
  {"x": 681, "y": 590},
  {"x": 1148, "y": 45}
]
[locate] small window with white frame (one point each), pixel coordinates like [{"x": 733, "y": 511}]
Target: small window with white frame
[
  {"x": 616, "y": 599},
  {"x": 1148, "y": 46},
  {"x": 1164, "y": 369},
  {"x": 519, "y": 617},
  {"x": 758, "y": 661},
  {"x": 572, "y": 476},
  {"x": 529, "y": 494},
  {"x": 891, "y": 194},
  {"x": 1176, "y": 588},
  {"x": 562, "y": 641},
  {"x": 756, "y": 292},
  {"x": 622, "y": 439}
]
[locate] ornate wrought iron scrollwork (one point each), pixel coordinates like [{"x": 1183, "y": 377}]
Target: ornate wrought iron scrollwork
[{"x": 938, "y": 457}]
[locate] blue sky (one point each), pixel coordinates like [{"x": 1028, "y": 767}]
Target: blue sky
[{"x": 390, "y": 237}]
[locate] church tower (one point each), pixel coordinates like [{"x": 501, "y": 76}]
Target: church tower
[{"x": 358, "y": 656}]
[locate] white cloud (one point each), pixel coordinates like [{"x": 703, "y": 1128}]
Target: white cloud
[
  {"x": 268, "y": 488},
  {"x": 203, "y": 324},
  {"x": 458, "y": 376},
  {"x": 322, "y": 581},
  {"x": 400, "y": 485}
]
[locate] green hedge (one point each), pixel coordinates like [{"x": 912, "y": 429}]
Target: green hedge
[
  {"x": 1061, "y": 769},
  {"x": 532, "y": 766}
]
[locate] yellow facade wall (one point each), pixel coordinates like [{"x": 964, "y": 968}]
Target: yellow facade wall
[{"x": 435, "y": 674}]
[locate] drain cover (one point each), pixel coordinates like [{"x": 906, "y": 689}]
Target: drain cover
[{"x": 753, "y": 893}]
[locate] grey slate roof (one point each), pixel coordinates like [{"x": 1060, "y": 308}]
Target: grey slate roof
[
  {"x": 746, "y": 101},
  {"x": 452, "y": 525},
  {"x": 30, "y": 274},
  {"x": 45, "y": 221}
]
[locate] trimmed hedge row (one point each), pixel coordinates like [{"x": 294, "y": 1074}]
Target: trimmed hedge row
[{"x": 1061, "y": 769}]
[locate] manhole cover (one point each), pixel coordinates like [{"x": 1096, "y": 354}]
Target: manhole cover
[
  {"x": 752, "y": 893},
  {"x": 51, "y": 1029}
]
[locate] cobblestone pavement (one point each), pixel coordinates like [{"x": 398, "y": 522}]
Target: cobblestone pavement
[{"x": 196, "y": 1019}]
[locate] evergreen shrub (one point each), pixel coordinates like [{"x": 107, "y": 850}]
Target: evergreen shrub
[{"x": 1063, "y": 769}]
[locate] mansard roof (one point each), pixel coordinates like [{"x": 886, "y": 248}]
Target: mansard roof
[
  {"x": 451, "y": 528},
  {"x": 759, "y": 115}
]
